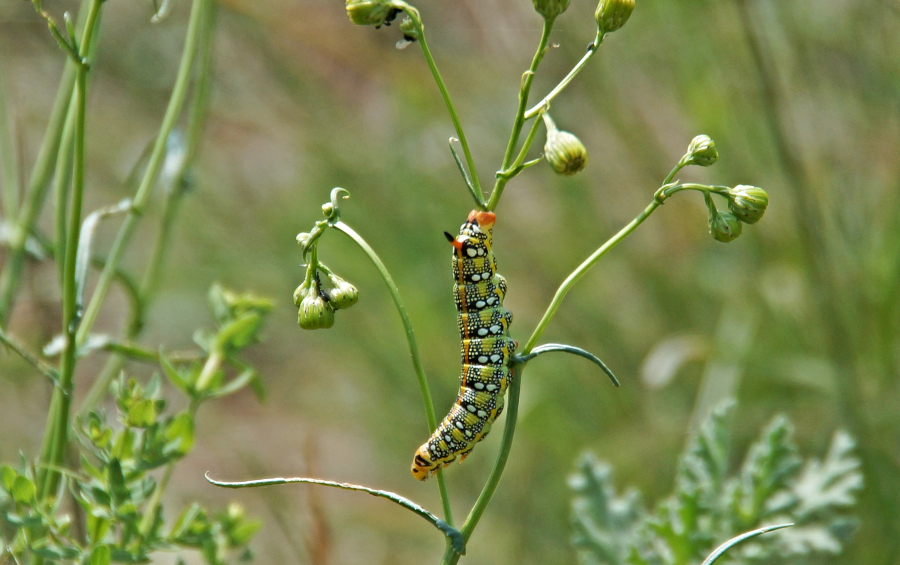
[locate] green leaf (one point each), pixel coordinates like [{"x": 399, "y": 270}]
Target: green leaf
[
  {"x": 179, "y": 434},
  {"x": 100, "y": 556},
  {"x": 142, "y": 414},
  {"x": 23, "y": 490},
  {"x": 239, "y": 333},
  {"x": 118, "y": 490},
  {"x": 236, "y": 384},
  {"x": 8, "y": 477}
]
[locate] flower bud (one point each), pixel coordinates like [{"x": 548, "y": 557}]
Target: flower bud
[
  {"x": 724, "y": 226},
  {"x": 702, "y": 151},
  {"x": 748, "y": 202},
  {"x": 409, "y": 31},
  {"x": 328, "y": 209},
  {"x": 343, "y": 294},
  {"x": 612, "y": 14},
  {"x": 565, "y": 152},
  {"x": 315, "y": 312},
  {"x": 371, "y": 12},
  {"x": 550, "y": 9}
]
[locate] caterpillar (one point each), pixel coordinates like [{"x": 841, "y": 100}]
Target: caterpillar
[{"x": 486, "y": 348}]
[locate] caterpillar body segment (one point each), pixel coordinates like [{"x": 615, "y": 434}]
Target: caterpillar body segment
[{"x": 485, "y": 348}]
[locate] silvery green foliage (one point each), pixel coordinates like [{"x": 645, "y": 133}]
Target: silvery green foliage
[{"x": 710, "y": 505}]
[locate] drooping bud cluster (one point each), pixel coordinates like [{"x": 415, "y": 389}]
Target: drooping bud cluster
[
  {"x": 612, "y": 14},
  {"x": 702, "y": 152},
  {"x": 565, "y": 152},
  {"x": 315, "y": 311},
  {"x": 371, "y": 12},
  {"x": 748, "y": 203},
  {"x": 550, "y": 9},
  {"x": 724, "y": 226}
]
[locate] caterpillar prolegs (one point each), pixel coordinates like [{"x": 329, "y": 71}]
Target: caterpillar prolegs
[{"x": 486, "y": 348}]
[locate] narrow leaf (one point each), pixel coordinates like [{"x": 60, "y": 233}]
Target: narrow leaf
[
  {"x": 457, "y": 541},
  {"x": 736, "y": 540}
]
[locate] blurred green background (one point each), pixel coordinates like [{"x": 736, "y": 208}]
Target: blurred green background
[{"x": 801, "y": 315}]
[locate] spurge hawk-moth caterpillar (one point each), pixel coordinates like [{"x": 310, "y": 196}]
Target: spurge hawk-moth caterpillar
[{"x": 486, "y": 348}]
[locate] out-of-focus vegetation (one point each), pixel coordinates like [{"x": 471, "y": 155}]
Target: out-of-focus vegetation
[
  {"x": 801, "y": 315},
  {"x": 710, "y": 503}
]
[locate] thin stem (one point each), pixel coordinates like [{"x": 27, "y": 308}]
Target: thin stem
[
  {"x": 581, "y": 270},
  {"x": 520, "y": 118},
  {"x": 37, "y": 184},
  {"x": 179, "y": 92},
  {"x": 460, "y": 134},
  {"x": 198, "y": 109},
  {"x": 525, "y": 89},
  {"x": 413, "y": 349},
  {"x": 56, "y": 433},
  {"x": 592, "y": 48},
  {"x": 43, "y": 368},
  {"x": 512, "y": 414},
  {"x": 503, "y": 177}
]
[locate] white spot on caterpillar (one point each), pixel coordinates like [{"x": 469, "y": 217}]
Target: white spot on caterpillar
[
  {"x": 491, "y": 388},
  {"x": 479, "y": 304},
  {"x": 483, "y": 331},
  {"x": 480, "y": 251},
  {"x": 486, "y": 276},
  {"x": 480, "y": 386},
  {"x": 483, "y": 359},
  {"x": 495, "y": 329},
  {"x": 471, "y": 252},
  {"x": 482, "y": 414},
  {"x": 468, "y": 433},
  {"x": 471, "y": 408},
  {"x": 476, "y": 277},
  {"x": 495, "y": 358},
  {"x": 491, "y": 300},
  {"x": 460, "y": 425}
]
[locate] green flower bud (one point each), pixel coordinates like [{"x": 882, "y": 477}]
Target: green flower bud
[
  {"x": 371, "y": 12},
  {"x": 748, "y": 202},
  {"x": 409, "y": 31},
  {"x": 725, "y": 227},
  {"x": 315, "y": 312},
  {"x": 565, "y": 152},
  {"x": 701, "y": 151},
  {"x": 612, "y": 14},
  {"x": 300, "y": 293},
  {"x": 343, "y": 295},
  {"x": 550, "y": 9}
]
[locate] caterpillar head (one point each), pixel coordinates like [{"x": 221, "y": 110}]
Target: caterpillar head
[{"x": 423, "y": 467}]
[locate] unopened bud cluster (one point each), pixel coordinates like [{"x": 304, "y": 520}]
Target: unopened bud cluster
[
  {"x": 747, "y": 205},
  {"x": 701, "y": 151},
  {"x": 550, "y": 9},
  {"x": 317, "y": 305},
  {"x": 565, "y": 152},
  {"x": 612, "y": 14},
  {"x": 371, "y": 12}
]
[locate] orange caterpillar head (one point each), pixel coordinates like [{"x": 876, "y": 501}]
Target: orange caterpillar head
[{"x": 485, "y": 220}]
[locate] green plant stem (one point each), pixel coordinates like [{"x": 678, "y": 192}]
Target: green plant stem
[
  {"x": 545, "y": 102},
  {"x": 61, "y": 180},
  {"x": 413, "y": 349},
  {"x": 460, "y": 134},
  {"x": 37, "y": 184},
  {"x": 198, "y": 109},
  {"x": 519, "y": 120},
  {"x": 199, "y": 8},
  {"x": 56, "y": 432},
  {"x": 506, "y": 175},
  {"x": 573, "y": 278},
  {"x": 43, "y": 368},
  {"x": 451, "y": 557}
]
